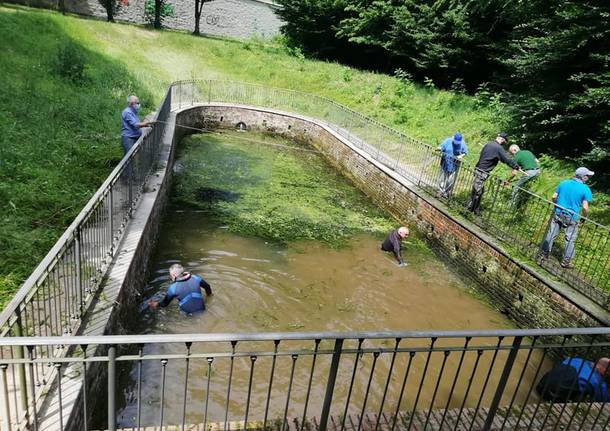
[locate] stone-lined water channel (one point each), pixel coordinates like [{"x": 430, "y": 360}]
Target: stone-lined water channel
[{"x": 288, "y": 244}]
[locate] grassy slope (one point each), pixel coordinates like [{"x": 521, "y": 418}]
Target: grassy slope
[{"x": 60, "y": 139}]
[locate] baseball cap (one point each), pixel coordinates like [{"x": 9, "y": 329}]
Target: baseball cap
[
  {"x": 503, "y": 135},
  {"x": 582, "y": 171},
  {"x": 457, "y": 138}
]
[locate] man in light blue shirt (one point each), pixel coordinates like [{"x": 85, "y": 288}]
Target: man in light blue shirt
[
  {"x": 569, "y": 197},
  {"x": 453, "y": 150},
  {"x": 131, "y": 124}
]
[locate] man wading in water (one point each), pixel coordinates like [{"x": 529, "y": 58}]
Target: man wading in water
[
  {"x": 187, "y": 288},
  {"x": 392, "y": 243}
]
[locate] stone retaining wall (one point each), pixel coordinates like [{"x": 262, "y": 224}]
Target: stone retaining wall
[{"x": 233, "y": 18}]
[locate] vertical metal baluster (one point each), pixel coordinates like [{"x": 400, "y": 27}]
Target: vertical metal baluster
[
  {"x": 78, "y": 261},
  {"x": 313, "y": 366},
  {"x": 438, "y": 382},
  {"x": 516, "y": 390},
  {"x": 534, "y": 415},
  {"x": 529, "y": 392},
  {"x": 30, "y": 350},
  {"x": 586, "y": 355},
  {"x": 276, "y": 344},
  {"x": 330, "y": 385},
  {"x": 186, "y": 381},
  {"x": 508, "y": 366},
  {"x": 111, "y": 388},
  {"x": 207, "y": 393},
  {"x": 162, "y": 410},
  {"x": 6, "y": 405},
  {"x": 421, "y": 382},
  {"x": 484, "y": 388},
  {"x": 368, "y": 388},
  {"x": 472, "y": 374},
  {"x": 601, "y": 407},
  {"x": 402, "y": 390},
  {"x": 252, "y": 362},
  {"x": 139, "y": 407},
  {"x": 61, "y": 408},
  {"x": 294, "y": 361},
  {"x": 455, "y": 379},
  {"x": 351, "y": 384},
  {"x": 22, "y": 387},
  {"x": 85, "y": 412},
  {"x": 387, "y": 383},
  {"x": 233, "y": 344}
]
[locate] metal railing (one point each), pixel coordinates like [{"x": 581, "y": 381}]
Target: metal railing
[
  {"x": 521, "y": 222},
  {"x": 54, "y": 299},
  {"x": 454, "y": 380}
]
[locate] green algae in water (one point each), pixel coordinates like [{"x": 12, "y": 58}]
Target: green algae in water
[{"x": 272, "y": 188}]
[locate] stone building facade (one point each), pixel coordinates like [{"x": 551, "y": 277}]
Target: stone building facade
[{"x": 231, "y": 18}]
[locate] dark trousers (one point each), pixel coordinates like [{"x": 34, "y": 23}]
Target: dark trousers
[
  {"x": 127, "y": 142},
  {"x": 478, "y": 188}
]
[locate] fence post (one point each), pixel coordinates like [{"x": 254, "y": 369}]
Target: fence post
[
  {"x": 508, "y": 366},
  {"x": 330, "y": 386},
  {"x": 111, "y": 219},
  {"x": 112, "y": 388},
  {"x": 6, "y": 407},
  {"x": 20, "y": 354},
  {"x": 32, "y": 385}
]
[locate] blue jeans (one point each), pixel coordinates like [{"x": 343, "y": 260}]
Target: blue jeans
[
  {"x": 554, "y": 229},
  {"x": 128, "y": 142},
  {"x": 446, "y": 182},
  {"x": 531, "y": 174}
]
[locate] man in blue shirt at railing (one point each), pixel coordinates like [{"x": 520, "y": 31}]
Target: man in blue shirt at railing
[
  {"x": 187, "y": 288},
  {"x": 131, "y": 124},
  {"x": 569, "y": 197},
  {"x": 453, "y": 150},
  {"x": 576, "y": 379}
]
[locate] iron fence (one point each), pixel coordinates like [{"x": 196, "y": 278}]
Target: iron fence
[
  {"x": 391, "y": 380},
  {"x": 54, "y": 299},
  {"x": 515, "y": 215}
]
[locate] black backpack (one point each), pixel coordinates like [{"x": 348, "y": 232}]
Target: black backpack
[{"x": 559, "y": 385}]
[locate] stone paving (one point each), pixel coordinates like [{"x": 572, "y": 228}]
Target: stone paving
[{"x": 590, "y": 417}]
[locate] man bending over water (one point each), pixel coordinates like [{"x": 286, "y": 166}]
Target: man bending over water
[
  {"x": 187, "y": 288},
  {"x": 392, "y": 243}
]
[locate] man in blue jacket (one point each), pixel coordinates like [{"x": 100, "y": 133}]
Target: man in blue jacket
[
  {"x": 576, "y": 379},
  {"x": 570, "y": 197},
  {"x": 453, "y": 150},
  {"x": 131, "y": 124},
  {"x": 187, "y": 288}
]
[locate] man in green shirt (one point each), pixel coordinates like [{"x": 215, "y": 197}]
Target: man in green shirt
[{"x": 528, "y": 163}]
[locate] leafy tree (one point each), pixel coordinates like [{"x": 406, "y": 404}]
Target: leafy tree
[
  {"x": 312, "y": 26},
  {"x": 156, "y": 10},
  {"x": 560, "y": 80},
  {"x": 198, "y": 8},
  {"x": 111, "y": 7}
]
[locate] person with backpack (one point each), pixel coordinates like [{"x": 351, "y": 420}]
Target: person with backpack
[{"x": 576, "y": 379}]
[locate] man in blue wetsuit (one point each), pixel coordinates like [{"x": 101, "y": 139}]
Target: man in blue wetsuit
[
  {"x": 576, "y": 379},
  {"x": 187, "y": 288}
]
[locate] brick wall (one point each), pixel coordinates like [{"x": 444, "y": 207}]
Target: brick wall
[{"x": 527, "y": 297}]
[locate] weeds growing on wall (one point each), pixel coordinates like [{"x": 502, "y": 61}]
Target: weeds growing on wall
[{"x": 272, "y": 188}]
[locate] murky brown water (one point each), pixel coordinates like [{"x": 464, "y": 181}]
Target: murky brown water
[
  {"x": 265, "y": 287},
  {"x": 260, "y": 287}
]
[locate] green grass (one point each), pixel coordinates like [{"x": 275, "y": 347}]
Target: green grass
[{"x": 60, "y": 137}]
